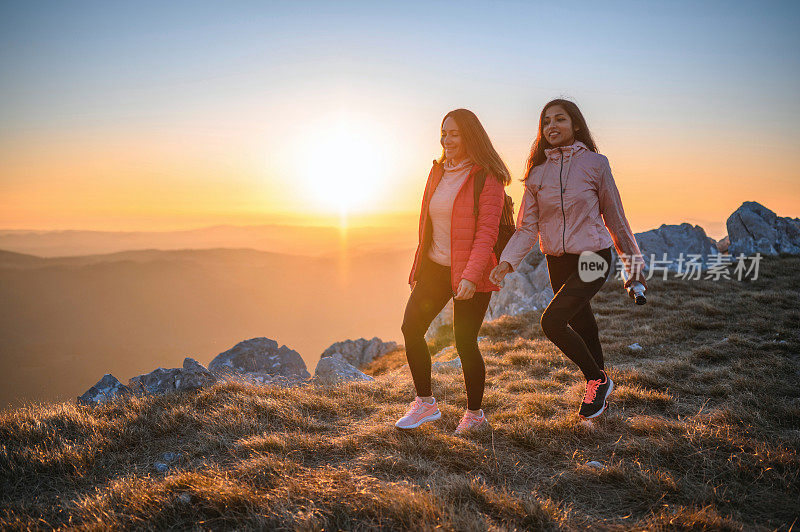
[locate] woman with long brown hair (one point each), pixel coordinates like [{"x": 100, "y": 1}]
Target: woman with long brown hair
[
  {"x": 453, "y": 260},
  {"x": 573, "y": 207}
]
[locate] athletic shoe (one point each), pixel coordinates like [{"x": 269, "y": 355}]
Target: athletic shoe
[
  {"x": 594, "y": 402},
  {"x": 418, "y": 413},
  {"x": 472, "y": 423}
]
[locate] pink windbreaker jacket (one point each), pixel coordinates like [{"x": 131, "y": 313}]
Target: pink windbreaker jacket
[{"x": 571, "y": 204}]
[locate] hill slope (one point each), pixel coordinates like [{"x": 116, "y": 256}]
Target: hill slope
[{"x": 702, "y": 432}]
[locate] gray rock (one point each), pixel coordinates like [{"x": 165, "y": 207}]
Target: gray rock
[
  {"x": 360, "y": 352},
  {"x": 333, "y": 369},
  {"x": 164, "y": 380},
  {"x": 723, "y": 244},
  {"x": 261, "y": 356},
  {"x": 753, "y": 228},
  {"x": 674, "y": 240},
  {"x": 444, "y": 364},
  {"x": 445, "y": 318},
  {"x": 526, "y": 289},
  {"x": 106, "y": 389},
  {"x": 194, "y": 375},
  {"x": 533, "y": 259},
  {"x": 595, "y": 464},
  {"x": 522, "y": 292}
]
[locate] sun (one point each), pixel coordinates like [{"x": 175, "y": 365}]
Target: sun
[{"x": 343, "y": 165}]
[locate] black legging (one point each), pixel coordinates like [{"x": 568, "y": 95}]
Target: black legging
[
  {"x": 430, "y": 295},
  {"x": 570, "y": 305}
]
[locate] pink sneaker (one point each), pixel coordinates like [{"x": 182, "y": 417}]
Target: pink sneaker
[
  {"x": 418, "y": 413},
  {"x": 472, "y": 423}
]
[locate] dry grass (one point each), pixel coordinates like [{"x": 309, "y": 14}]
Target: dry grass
[{"x": 702, "y": 433}]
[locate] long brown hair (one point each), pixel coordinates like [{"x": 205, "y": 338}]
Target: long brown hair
[
  {"x": 477, "y": 144},
  {"x": 537, "y": 155}
]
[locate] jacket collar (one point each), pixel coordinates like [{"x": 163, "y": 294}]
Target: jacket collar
[{"x": 554, "y": 154}]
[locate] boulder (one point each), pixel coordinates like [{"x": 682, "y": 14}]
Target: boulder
[
  {"x": 723, "y": 244},
  {"x": 359, "y": 352},
  {"x": 531, "y": 260},
  {"x": 261, "y": 356},
  {"x": 445, "y": 318},
  {"x": 753, "y": 228},
  {"x": 333, "y": 369},
  {"x": 106, "y": 389},
  {"x": 522, "y": 292},
  {"x": 674, "y": 240},
  {"x": 163, "y": 380}
]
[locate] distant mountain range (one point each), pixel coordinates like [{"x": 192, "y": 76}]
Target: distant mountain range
[
  {"x": 66, "y": 321},
  {"x": 287, "y": 239}
]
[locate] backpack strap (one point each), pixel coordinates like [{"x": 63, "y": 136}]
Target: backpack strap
[{"x": 477, "y": 187}]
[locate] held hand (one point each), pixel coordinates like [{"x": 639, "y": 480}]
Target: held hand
[
  {"x": 466, "y": 289},
  {"x": 499, "y": 272}
]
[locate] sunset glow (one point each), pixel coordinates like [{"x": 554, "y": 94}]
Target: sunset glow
[
  {"x": 342, "y": 165},
  {"x": 334, "y": 114}
]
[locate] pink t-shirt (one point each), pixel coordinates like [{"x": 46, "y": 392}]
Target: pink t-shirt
[{"x": 441, "y": 210}]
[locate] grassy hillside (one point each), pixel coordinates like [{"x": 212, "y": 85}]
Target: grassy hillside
[{"x": 703, "y": 431}]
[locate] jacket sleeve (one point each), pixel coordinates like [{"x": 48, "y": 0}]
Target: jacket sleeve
[
  {"x": 490, "y": 207},
  {"x": 527, "y": 233},
  {"x": 617, "y": 224}
]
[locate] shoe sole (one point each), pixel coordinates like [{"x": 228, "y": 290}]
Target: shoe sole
[
  {"x": 476, "y": 430},
  {"x": 432, "y": 417},
  {"x": 605, "y": 403}
]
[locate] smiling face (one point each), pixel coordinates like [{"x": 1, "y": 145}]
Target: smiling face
[
  {"x": 452, "y": 142},
  {"x": 557, "y": 127}
]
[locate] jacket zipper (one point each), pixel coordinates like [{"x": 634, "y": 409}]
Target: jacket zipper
[
  {"x": 561, "y": 189},
  {"x": 451, "y": 226}
]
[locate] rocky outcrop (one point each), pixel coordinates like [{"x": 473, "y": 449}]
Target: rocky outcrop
[
  {"x": 106, "y": 389},
  {"x": 359, "y": 352},
  {"x": 262, "y": 357},
  {"x": 674, "y": 240},
  {"x": 446, "y": 358},
  {"x": 753, "y": 228},
  {"x": 444, "y": 318},
  {"x": 190, "y": 377},
  {"x": 334, "y": 369},
  {"x": 524, "y": 290}
]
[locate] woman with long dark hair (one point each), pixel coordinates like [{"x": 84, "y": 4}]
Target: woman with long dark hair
[
  {"x": 453, "y": 260},
  {"x": 573, "y": 207}
]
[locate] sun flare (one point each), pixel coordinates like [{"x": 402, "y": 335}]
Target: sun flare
[{"x": 343, "y": 165}]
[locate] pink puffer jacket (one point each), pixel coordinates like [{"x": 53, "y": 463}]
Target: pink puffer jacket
[{"x": 471, "y": 243}]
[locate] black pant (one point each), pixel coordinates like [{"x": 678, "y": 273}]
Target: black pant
[
  {"x": 431, "y": 293},
  {"x": 568, "y": 320}
]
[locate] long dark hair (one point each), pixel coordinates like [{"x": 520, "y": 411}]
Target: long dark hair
[
  {"x": 537, "y": 155},
  {"x": 477, "y": 144}
]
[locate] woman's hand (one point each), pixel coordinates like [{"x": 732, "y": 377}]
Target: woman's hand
[
  {"x": 466, "y": 289},
  {"x": 499, "y": 272}
]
